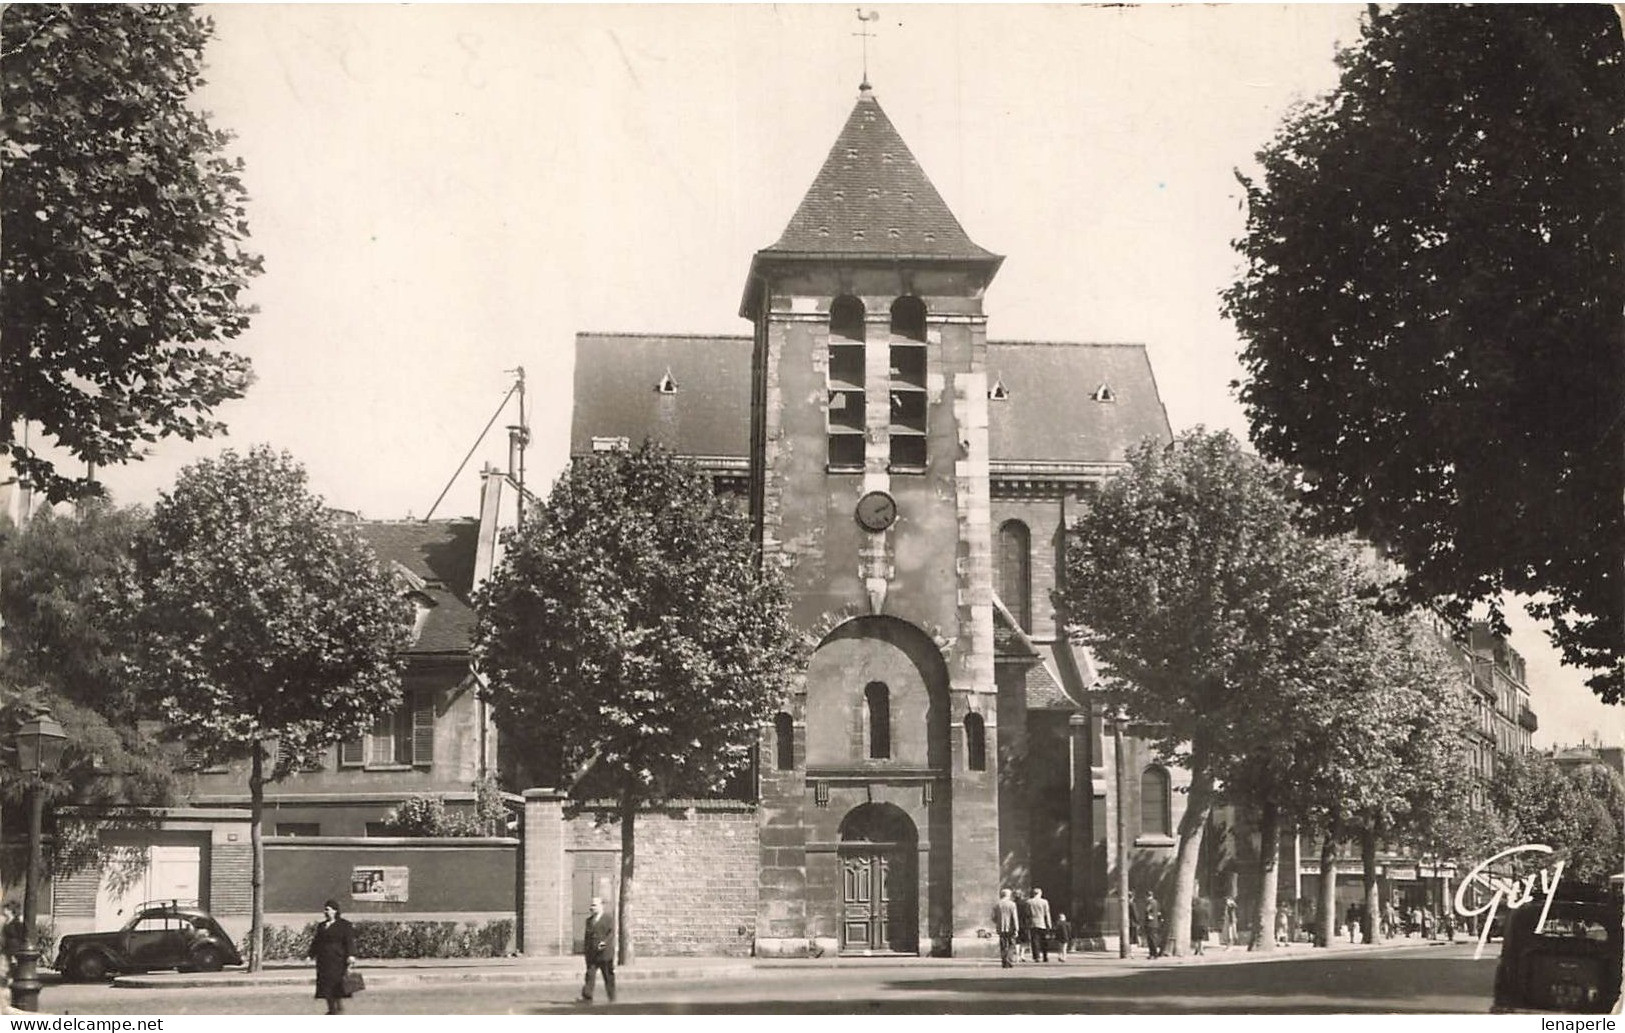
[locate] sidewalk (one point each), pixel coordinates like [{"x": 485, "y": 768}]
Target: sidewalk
[
  {"x": 1216, "y": 955},
  {"x": 390, "y": 972}
]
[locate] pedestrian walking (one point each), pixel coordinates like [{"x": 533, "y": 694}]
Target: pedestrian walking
[
  {"x": 13, "y": 934},
  {"x": 1282, "y": 925},
  {"x": 1025, "y": 921},
  {"x": 598, "y": 944},
  {"x": 1390, "y": 920},
  {"x": 1201, "y": 918},
  {"x": 1008, "y": 925},
  {"x": 1063, "y": 936},
  {"x": 1153, "y": 925},
  {"x": 1427, "y": 923},
  {"x": 1038, "y": 922},
  {"x": 333, "y": 948},
  {"x": 1351, "y": 918},
  {"x": 1231, "y": 934},
  {"x": 1136, "y": 913}
]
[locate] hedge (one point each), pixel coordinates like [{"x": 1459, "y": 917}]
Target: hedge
[{"x": 403, "y": 940}]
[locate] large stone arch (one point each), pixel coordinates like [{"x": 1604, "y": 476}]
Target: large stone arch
[{"x": 853, "y": 657}]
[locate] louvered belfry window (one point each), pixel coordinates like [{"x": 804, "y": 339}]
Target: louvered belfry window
[
  {"x": 846, "y": 420},
  {"x": 908, "y": 384}
]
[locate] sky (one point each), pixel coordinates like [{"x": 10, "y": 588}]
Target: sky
[{"x": 446, "y": 193}]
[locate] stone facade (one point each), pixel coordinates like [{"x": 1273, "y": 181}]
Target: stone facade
[{"x": 913, "y": 480}]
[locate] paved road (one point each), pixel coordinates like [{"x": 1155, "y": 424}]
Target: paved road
[{"x": 1413, "y": 979}]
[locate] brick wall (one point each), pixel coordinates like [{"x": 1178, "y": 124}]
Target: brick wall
[{"x": 696, "y": 889}]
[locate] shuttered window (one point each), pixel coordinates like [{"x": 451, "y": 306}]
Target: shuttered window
[{"x": 402, "y": 738}]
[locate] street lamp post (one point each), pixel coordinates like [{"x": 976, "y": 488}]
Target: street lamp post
[{"x": 40, "y": 742}]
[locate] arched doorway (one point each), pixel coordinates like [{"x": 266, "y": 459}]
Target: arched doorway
[{"x": 879, "y": 879}]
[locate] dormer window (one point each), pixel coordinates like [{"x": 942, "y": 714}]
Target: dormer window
[
  {"x": 1104, "y": 393},
  {"x": 998, "y": 392},
  {"x": 421, "y": 605},
  {"x": 667, "y": 385}
]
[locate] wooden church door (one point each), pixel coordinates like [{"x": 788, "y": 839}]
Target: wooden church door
[{"x": 865, "y": 902}]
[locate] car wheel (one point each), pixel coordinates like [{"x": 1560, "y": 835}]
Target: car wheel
[
  {"x": 207, "y": 959},
  {"x": 90, "y": 967}
]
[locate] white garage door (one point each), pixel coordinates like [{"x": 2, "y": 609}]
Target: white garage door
[{"x": 173, "y": 873}]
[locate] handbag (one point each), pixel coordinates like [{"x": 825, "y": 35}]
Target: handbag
[{"x": 352, "y": 981}]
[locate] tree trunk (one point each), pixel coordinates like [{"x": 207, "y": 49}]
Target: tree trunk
[
  {"x": 256, "y": 837},
  {"x": 623, "y": 915},
  {"x": 1371, "y": 927},
  {"x": 1122, "y": 837},
  {"x": 1269, "y": 876},
  {"x": 1326, "y": 921},
  {"x": 1177, "y": 928}
]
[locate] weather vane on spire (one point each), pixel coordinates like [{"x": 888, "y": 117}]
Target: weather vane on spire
[{"x": 865, "y": 18}]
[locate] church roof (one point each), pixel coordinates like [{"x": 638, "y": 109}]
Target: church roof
[
  {"x": 438, "y": 556},
  {"x": 688, "y": 392},
  {"x": 1055, "y": 402},
  {"x": 1049, "y": 412},
  {"x": 872, "y": 199}
]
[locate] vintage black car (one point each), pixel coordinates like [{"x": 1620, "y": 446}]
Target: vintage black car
[
  {"x": 163, "y": 934},
  {"x": 1571, "y": 963}
]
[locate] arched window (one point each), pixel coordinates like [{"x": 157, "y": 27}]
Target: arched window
[
  {"x": 846, "y": 318},
  {"x": 846, "y": 415},
  {"x": 784, "y": 742},
  {"x": 877, "y": 700},
  {"x": 1156, "y": 816},
  {"x": 908, "y": 318},
  {"x": 1015, "y": 571},
  {"x": 975, "y": 743}
]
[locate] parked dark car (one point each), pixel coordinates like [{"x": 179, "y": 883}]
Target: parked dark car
[
  {"x": 163, "y": 934},
  {"x": 1570, "y": 964}
]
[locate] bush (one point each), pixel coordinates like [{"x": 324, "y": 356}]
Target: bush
[
  {"x": 404, "y": 940},
  {"x": 426, "y": 815}
]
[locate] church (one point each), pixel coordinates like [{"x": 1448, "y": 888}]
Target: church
[{"x": 913, "y": 478}]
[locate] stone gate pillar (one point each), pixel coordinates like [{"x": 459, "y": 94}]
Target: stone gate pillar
[{"x": 544, "y": 903}]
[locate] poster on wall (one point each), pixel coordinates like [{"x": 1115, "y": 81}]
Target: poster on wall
[{"x": 380, "y": 883}]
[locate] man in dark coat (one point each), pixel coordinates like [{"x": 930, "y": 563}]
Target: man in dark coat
[
  {"x": 1153, "y": 925},
  {"x": 1136, "y": 917},
  {"x": 598, "y": 943}
]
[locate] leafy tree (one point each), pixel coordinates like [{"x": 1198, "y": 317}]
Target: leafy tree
[
  {"x": 266, "y": 622},
  {"x": 1415, "y": 775},
  {"x": 124, "y": 227},
  {"x": 1190, "y": 580},
  {"x": 632, "y": 632},
  {"x": 65, "y": 606},
  {"x": 1433, "y": 308},
  {"x": 1577, "y": 814}
]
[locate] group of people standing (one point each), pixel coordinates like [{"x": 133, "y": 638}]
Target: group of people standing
[{"x": 1025, "y": 923}]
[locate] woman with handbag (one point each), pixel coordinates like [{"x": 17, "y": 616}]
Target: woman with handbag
[{"x": 333, "y": 947}]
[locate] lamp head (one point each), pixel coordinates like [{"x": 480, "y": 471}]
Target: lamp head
[{"x": 40, "y": 742}]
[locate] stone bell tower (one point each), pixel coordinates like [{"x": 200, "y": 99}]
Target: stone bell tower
[{"x": 869, "y": 481}]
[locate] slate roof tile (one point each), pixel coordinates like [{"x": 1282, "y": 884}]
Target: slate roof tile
[
  {"x": 871, "y": 198},
  {"x": 1049, "y": 414},
  {"x": 441, "y": 554}
]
